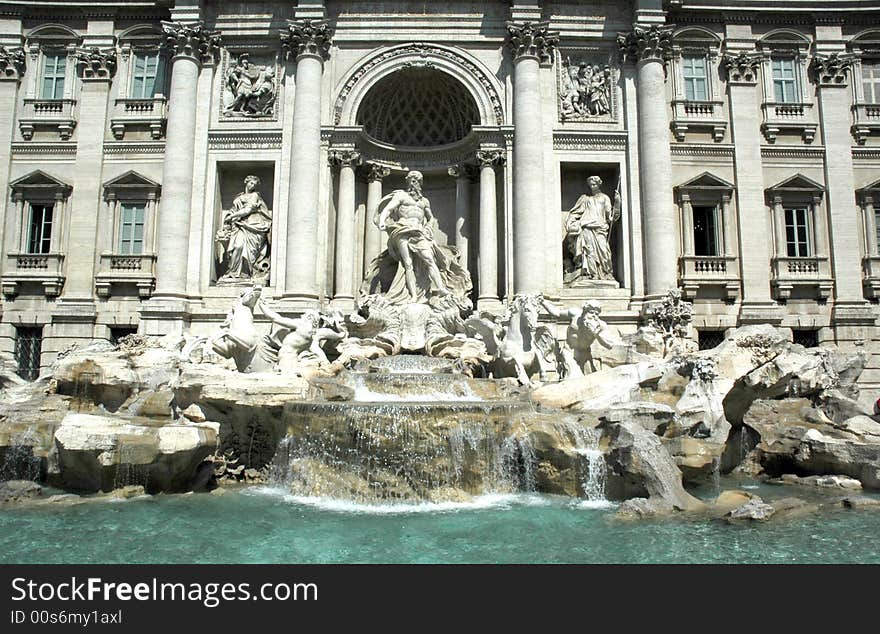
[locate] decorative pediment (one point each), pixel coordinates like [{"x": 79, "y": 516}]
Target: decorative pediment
[
  {"x": 797, "y": 184},
  {"x": 40, "y": 184},
  {"x": 131, "y": 185},
  {"x": 706, "y": 182},
  {"x": 872, "y": 187},
  {"x": 870, "y": 193}
]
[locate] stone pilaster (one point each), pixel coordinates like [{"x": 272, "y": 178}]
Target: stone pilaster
[
  {"x": 346, "y": 161},
  {"x": 531, "y": 44},
  {"x": 756, "y": 246},
  {"x": 488, "y": 160},
  {"x": 308, "y": 43},
  {"x": 649, "y": 48},
  {"x": 375, "y": 174},
  {"x": 12, "y": 65},
  {"x": 463, "y": 175},
  {"x": 188, "y": 44}
]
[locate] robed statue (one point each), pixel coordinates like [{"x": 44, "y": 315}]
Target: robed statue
[
  {"x": 243, "y": 240},
  {"x": 587, "y": 230}
]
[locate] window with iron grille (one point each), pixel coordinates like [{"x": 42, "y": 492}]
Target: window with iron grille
[
  {"x": 709, "y": 339},
  {"x": 797, "y": 232},
  {"x": 54, "y": 72},
  {"x": 131, "y": 228},
  {"x": 785, "y": 80},
  {"x": 40, "y": 229},
  {"x": 118, "y": 332},
  {"x": 809, "y": 338},
  {"x": 871, "y": 80},
  {"x": 147, "y": 75},
  {"x": 696, "y": 78},
  {"x": 28, "y": 346}
]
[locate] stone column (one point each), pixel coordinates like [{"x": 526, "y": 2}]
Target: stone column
[
  {"x": 308, "y": 42},
  {"x": 870, "y": 226},
  {"x": 97, "y": 67},
  {"x": 488, "y": 254},
  {"x": 531, "y": 44},
  {"x": 727, "y": 224},
  {"x": 649, "y": 47},
  {"x": 687, "y": 224},
  {"x": 372, "y": 235},
  {"x": 756, "y": 245},
  {"x": 462, "y": 175},
  {"x": 779, "y": 227},
  {"x": 831, "y": 73},
  {"x": 188, "y": 44},
  {"x": 346, "y": 161},
  {"x": 12, "y": 65},
  {"x": 820, "y": 230}
]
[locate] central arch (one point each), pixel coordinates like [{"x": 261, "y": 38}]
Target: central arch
[{"x": 366, "y": 74}]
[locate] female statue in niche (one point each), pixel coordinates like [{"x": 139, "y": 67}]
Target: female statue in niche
[
  {"x": 242, "y": 241},
  {"x": 587, "y": 228}
]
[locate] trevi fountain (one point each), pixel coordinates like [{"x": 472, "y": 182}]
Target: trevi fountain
[{"x": 417, "y": 428}]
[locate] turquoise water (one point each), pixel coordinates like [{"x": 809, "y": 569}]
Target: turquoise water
[{"x": 263, "y": 525}]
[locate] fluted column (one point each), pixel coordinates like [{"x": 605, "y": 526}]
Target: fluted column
[
  {"x": 372, "y": 236},
  {"x": 488, "y": 254},
  {"x": 346, "y": 161},
  {"x": 649, "y": 48},
  {"x": 531, "y": 44},
  {"x": 188, "y": 44},
  {"x": 308, "y": 42}
]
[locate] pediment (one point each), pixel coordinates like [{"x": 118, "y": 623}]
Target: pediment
[
  {"x": 132, "y": 183},
  {"x": 706, "y": 180},
  {"x": 872, "y": 187},
  {"x": 39, "y": 181},
  {"x": 797, "y": 183}
]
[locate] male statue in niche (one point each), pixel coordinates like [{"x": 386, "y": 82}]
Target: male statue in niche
[
  {"x": 242, "y": 242},
  {"x": 587, "y": 229}
]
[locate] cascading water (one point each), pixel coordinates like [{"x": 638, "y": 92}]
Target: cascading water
[
  {"x": 19, "y": 461},
  {"x": 593, "y": 468}
]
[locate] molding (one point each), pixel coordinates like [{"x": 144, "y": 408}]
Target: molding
[
  {"x": 590, "y": 141},
  {"x": 701, "y": 150},
  {"x": 866, "y": 154},
  {"x": 250, "y": 140},
  {"x": 792, "y": 152},
  {"x": 134, "y": 147},
  {"x": 44, "y": 148}
]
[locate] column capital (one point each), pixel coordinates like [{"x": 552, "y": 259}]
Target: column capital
[
  {"x": 304, "y": 38},
  {"x": 491, "y": 158},
  {"x": 532, "y": 39},
  {"x": 375, "y": 172},
  {"x": 12, "y": 63},
  {"x": 742, "y": 68},
  {"x": 831, "y": 70},
  {"x": 653, "y": 43},
  {"x": 192, "y": 40},
  {"x": 462, "y": 170},
  {"x": 96, "y": 64},
  {"x": 344, "y": 158}
]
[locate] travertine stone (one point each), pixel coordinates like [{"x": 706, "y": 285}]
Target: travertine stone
[{"x": 346, "y": 161}]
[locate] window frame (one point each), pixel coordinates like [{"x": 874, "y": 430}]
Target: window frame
[
  {"x": 807, "y": 226},
  {"x": 55, "y": 55},
  {"x": 785, "y": 44},
  {"x": 44, "y": 241},
  {"x": 781, "y": 82},
  {"x": 130, "y": 188},
  {"x": 125, "y": 243},
  {"x": 690, "y": 81},
  {"x": 716, "y": 234}
]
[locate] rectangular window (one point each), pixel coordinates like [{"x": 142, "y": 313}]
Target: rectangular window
[
  {"x": 147, "y": 76},
  {"x": 131, "y": 229},
  {"x": 28, "y": 346},
  {"x": 706, "y": 237},
  {"x": 118, "y": 332},
  {"x": 709, "y": 339},
  {"x": 54, "y": 71},
  {"x": 40, "y": 229},
  {"x": 784, "y": 80},
  {"x": 696, "y": 81},
  {"x": 797, "y": 232},
  {"x": 871, "y": 80},
  {"x": 808, "y": 338}
]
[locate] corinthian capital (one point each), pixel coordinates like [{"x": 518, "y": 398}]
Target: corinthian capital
[
  {"x": 376, "y": 172},
  {"x": 831, "y": 70},
  {"x": 307, "y": 37},
  {"x": 532, "y": 39},
  {"x": 491, "y": 158},
  {"x": 742, "y": 68},
  {"x": 12, "y": 62},
  {"x": 96, "y": 63},
  {"x": 191, "y": 40},
  {"x": 652, "y": 43},
  {"x": 344, "y": 158}
]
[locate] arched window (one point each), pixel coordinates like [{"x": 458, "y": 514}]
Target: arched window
[
  {"x": 697, "y": 100},
  {"x": 50, "y": 77}
]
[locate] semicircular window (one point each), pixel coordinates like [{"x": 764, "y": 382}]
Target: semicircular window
[{"x": 418, "y": 107}]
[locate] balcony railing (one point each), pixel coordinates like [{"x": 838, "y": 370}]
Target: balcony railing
[
  {"x": 43, "y": 268},
  {"x": 810, "y": 273},
  {"x": 117, "y": 268},
  {"x": 146, "y": 114},
  {"x": 866, "y": 121},
  {"x": 703, "y": 271},
  {"x": 48, "y": 113},
  {"x": 688, "y": 115},
  {"x": 784, "y": 117}
]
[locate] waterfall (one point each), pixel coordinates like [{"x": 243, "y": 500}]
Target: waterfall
[
  {"x": 19, "y": 461},
  {"x": 593, "y": 473},
  {"x": 412, "y": 388}
]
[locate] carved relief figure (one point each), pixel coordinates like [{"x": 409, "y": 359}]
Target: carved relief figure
[
  {"x": 250, "y": 89},
  {"x": 414, "y": 267},
  {"x": 587, "y": 228},
  {"x": 585, "y": 91},
  {"x": 242, "y": 242}
]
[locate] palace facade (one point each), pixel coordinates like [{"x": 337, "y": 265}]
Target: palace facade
[{"x": 740, "y": 147}]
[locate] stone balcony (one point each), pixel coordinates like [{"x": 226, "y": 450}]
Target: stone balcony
[
  {"x": 138, "y": 270},
  {"x": 147, "y": 114},
  {"x": 788, "y": 117},
  {"x": 812, "y": 275},
  {"x": 688, "y": 115},
  {"x": 871, "y": 276},
  {"x": 704, "y": 271},
  {"x": 866, "y": 121},
  {"x": 43, "y": 268},
  {"x": 48, "y": 113}
]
